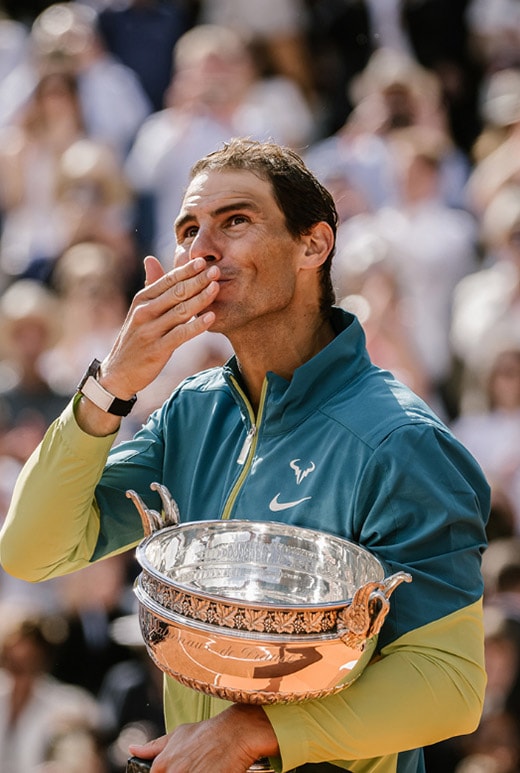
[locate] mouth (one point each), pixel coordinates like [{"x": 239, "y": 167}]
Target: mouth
[{"x": 224, "y": 280}]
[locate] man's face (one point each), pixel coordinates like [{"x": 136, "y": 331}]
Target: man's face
[{"x": 231, "y": 218}]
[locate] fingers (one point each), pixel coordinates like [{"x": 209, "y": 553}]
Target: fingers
[
  {"x": 177, "y": 296},
  {"x": 180, "y": 282},
  {"x": 171, "y": 309},
  {"x": 153, "y": 270},
  {"x": 147, "y": 751}
]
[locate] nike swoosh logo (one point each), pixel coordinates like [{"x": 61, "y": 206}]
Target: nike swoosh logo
[{"x": 276, "y": 506}]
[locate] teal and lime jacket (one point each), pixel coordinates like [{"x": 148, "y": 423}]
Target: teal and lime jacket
[{"x": 342, "y": 447}]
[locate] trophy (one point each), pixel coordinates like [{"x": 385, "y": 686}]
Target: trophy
[{"x": 256, "y": 612}]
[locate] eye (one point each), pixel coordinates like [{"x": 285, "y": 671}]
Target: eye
[
  {"x": 190, "y": 232},
  {"x": 237, "y": 220}
]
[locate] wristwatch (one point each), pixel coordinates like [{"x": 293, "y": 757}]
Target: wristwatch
[{"x": 97, "y": 394}]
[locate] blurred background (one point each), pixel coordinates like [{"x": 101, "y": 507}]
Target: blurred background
[{"x": 409, "y": 111}]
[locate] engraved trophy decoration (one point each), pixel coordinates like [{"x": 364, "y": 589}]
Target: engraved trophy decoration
[{"x": 257, "y": 611}]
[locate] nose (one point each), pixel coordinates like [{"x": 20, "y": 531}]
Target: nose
[{"x": 203, "y": 246}]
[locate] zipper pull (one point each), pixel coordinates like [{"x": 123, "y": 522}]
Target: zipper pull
[{"x": 247, "y": 445}]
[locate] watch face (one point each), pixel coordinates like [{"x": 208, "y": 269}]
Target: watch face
[
  {"x": 91, "y": 371},
  {"x": 135, "y": 765}
]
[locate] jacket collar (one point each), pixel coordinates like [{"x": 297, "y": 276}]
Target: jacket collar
[{"x": 314, "y": 382}]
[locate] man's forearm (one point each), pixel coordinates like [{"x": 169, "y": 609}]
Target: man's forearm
[
  {"x": 428, "y": 686},
  {"x": 52, "y": 524}
]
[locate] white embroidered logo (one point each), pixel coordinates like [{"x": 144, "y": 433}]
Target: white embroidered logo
[
  {"x": 301, "y": 474},
  {"x": 275, "y": 506}
]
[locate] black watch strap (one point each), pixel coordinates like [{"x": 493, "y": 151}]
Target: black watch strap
[{"x": 97, "y": 394}]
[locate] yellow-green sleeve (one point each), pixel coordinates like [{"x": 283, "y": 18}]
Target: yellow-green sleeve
[
  {"x": 427, "y": 686},
  {"x": 54, "y": 499}
]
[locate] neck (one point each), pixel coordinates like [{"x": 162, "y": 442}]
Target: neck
[{"x": 280, "y": 350}]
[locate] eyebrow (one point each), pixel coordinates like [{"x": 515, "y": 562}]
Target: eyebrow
[{"x": 184, "y": 220}]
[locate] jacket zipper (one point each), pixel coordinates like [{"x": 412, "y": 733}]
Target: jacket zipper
[
  {"x": 248, "y": 442},
  {"x": 247, "y": 452}
]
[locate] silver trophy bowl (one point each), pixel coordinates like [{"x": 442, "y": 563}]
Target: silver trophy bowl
[{"x": 257, "y": 612}]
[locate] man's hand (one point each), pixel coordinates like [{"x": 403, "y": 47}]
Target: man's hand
[
  {"x": 227, "y": 743},
  {"x": 168, "y": 311},
  {"x": 163, "y": 315}
]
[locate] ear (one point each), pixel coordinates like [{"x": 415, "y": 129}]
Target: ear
[{"x": 317, "y": 243}]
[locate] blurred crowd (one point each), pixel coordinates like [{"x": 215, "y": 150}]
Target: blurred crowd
[{"x": 409, "y": 111}]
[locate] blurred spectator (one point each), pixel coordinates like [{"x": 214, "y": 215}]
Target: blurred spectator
[
  {"x": 33, "y": 230},
  {"x": 343, "y": 36},
  {"x": 393, "y": 93},
  {"x": 499, "y": 98},
  {"x": 430, "y": 248},
  {"x": 90, "y": 282},
  {"x": 215, "y": 94},
  {"x": 500, "y": 554},
  {"x": 497, "y": 150},
  {"x": 130, "y": 697},
  {"x": 502, "y": 654},
  {"x": 495, "y": 30},
  {"x": 95, "y": 201},
  {"x": 502, "y": 521},
  {"x": 508, "y": 590},
  {"x": 275, "y": 27},
  {"x": 75, "y": 750},
  {"x": 366, "y": 284},
  {"x": 216, "y": 74},
  {"x": 58, "y": 186},
  {"x": 33, "y": 705},
  {"x": 493, "y": 434},
  {"x": 433, "y": 246},
  {"x": 14, "y": 38},
  {"x": 30, "y": 325},
  {"x": 493, "y": 748},
  {"x": 65, "y": 36},
  {"x": 486, "y": 303},
  {"x": 142, "y": 34},
  {"x": 89, "y": 601}
]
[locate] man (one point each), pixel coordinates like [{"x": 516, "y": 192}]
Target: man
[{"x": 255, "y": 237}]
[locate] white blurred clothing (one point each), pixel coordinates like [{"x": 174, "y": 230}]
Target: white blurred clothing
[
  {"x": 430, "y": 248},
  {"x": 52, "y": 706},
  {"x": 433, "y": 248},
  {"x": 263, "y": 18},
  {"x": 493, "y": 438},
  {"x": 13, "y": 45},
  {"x": 486, "y": 314},
  {"x": 365, "y": 161},
  {"x": 113, "y": 102},
  {"x": 386, "y": 25},
  {"x": 496, "y": 26},
  {"x": 34, "y": 228}
]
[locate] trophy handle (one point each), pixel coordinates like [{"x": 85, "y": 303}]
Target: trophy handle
[
  {"x": 151, "y": 519},
  {"x": 364, "y": 617}
]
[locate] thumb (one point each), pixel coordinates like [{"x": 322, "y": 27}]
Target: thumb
[
  {"x": 153, "y": 270},
  {"x": 148, "y": 750}
]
